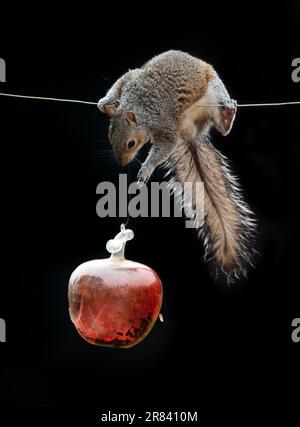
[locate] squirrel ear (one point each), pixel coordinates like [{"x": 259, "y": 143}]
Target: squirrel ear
[
  {"x": 110, "y": 111},
  {"x": 130, "y": 117}
]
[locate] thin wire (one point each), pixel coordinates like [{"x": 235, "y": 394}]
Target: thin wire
[
  {"x": 129, "y": 198},
  {"x": 270, "y": 104},
  {"x": 77, "y": 101}
]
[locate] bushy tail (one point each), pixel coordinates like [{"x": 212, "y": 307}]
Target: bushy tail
[{"x": 229, "y": 224}]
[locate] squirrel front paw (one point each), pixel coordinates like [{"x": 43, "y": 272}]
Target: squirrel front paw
[
  {"x": 107, "y": 106},
  {"x": 143, "y": 175},
  {"x": 102, "y": 104}
]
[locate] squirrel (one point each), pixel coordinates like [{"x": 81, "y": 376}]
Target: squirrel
[{"x": 173, "y": 101}]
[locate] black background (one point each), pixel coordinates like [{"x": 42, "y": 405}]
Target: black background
[{"x": 224, "y": 351}]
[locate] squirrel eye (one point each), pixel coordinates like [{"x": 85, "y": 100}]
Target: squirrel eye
[{"x": 131, "y": 143}]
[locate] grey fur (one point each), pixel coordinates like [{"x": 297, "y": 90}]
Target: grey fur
[{"x": 172, "y": 101}]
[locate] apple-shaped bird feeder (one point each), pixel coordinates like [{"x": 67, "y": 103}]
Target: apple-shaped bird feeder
[{"x": 114, "y": 302}]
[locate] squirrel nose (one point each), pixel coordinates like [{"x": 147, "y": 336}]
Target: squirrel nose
[
  {"x": 121, "y": 160},
  {"x": 119, "y": 156}
]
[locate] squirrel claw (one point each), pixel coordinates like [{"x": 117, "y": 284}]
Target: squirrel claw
[
  {"x": 107, "y": 107},
  {"x": 102, "y": 105},
  {"x": 227, "y": 116}
]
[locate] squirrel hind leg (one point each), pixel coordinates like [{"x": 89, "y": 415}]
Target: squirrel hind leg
[
  {"x": 187, "y": 130},
  {"x": 206, "y": 111},
  {"x": 197, "y": 114}
]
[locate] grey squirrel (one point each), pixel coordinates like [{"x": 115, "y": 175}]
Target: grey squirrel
[{"x": 173, "y": 101}]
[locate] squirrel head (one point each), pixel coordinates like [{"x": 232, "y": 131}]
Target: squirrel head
[{"x": 127, "y": 135}]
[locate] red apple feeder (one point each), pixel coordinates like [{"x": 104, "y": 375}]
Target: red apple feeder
[{"x": 114, "y": 302}]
